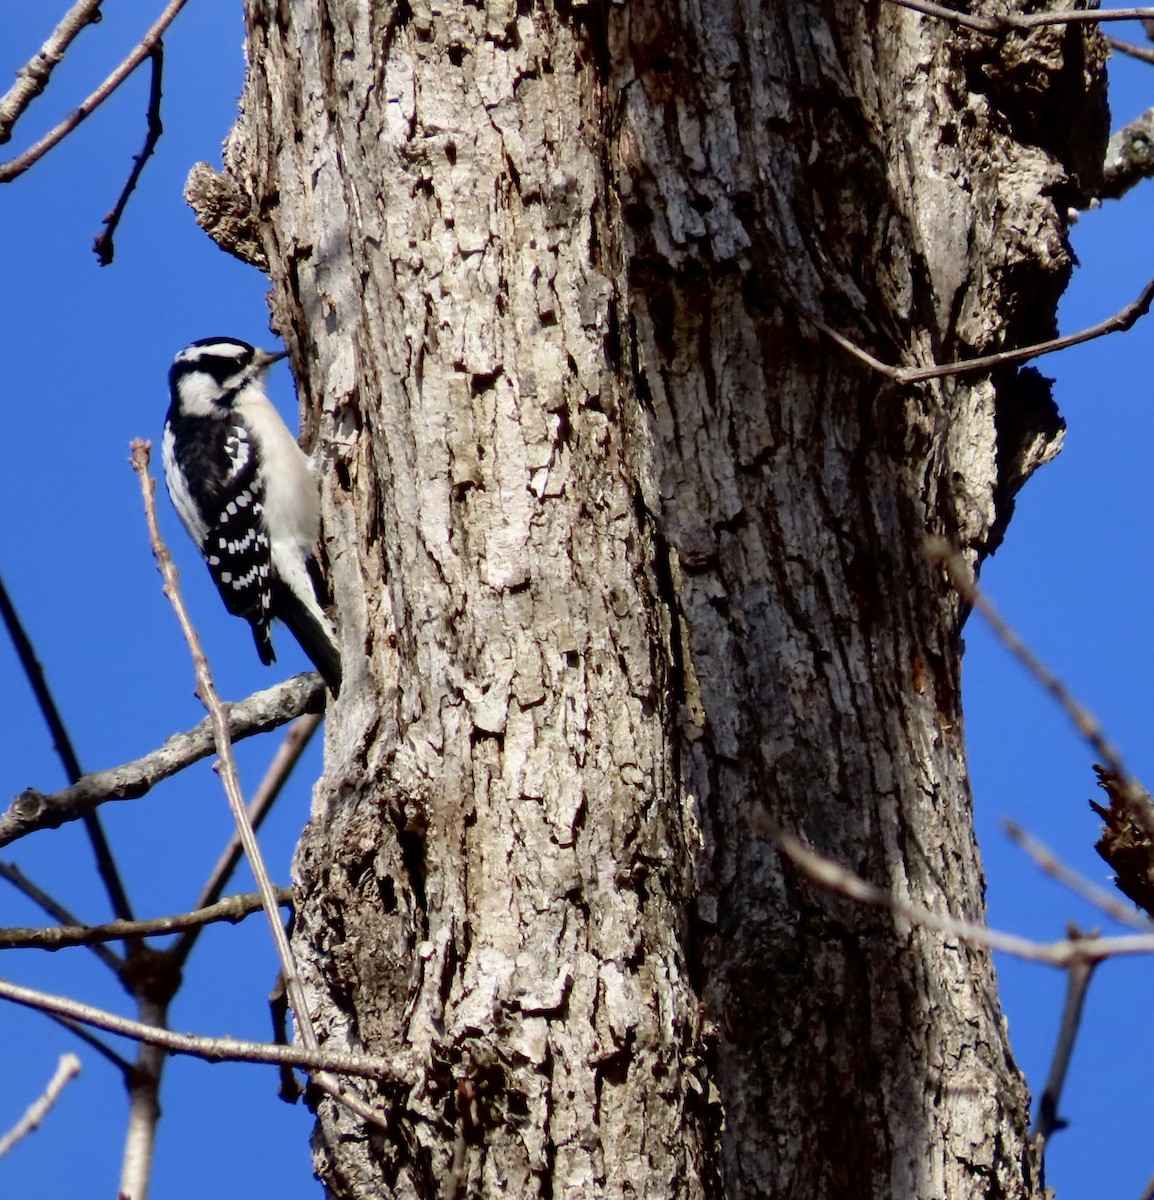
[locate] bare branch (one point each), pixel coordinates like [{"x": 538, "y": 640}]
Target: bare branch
[
  {"x": 68, "y": 1068},
  {"x": 58, "y": 937},
  {"x": 1057, "y": 954},
  {"x": 105, "y": 863},
  {"x": 852, "y": 348},
  {"x": 1129, "y": 834},
  {"x": 18, "y": 165},
  {"x": 32, "y": 78},
  {"x": 90, "y": 1039},
  {"x": 1006, "y": 22},
  {"x": 1129, "y": 156},
  {"x": 372, "y": 1066},
  {"x": 34, "y": 673},
  {"x": 56, "y": 910},
  {"x": 143, "y": 1085},
  {"x": 1121, "y": 321},
  {"x": 964, "y": 584},
  {"x": 290, "y": 1089},
  {"x": 1078, "y": 978},
  {"x": 103, "y": 244},
  {"x": 262, "y": 711},
  {"x": 1057, "y": 870},
  {"x": 1127, "y": 789},
  {"x": 1142, "y": 53}
]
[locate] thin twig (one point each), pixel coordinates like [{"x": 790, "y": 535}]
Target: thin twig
[
  {"x": 1143, "y": 53},
  {"x": 963, "y": 583},
  {"x": 1078, "y": 976},
  {"x": 225, "y": 1049},
  {"x": 1121, "y": 321},
  {"x": 277, "y": 775},
  {"x": 68, "y": 1068},
  {"x": 229, "y": 778},
  {"x": 1056, "y": 954},
  {"x": 58, "y": 912},
  {"x": 18, "y": 165},
  {"x": 260, "y": 712},
  {"x": 962, "y": 580},
  {"x": 32, "y": 78},
  {"x": 279, "y": 771},
  {"x": 1125, "y": 792},
  {"x": 103, "y": 244},
  {"x": 1047, "y": 861},
  {"x": 289, "y": 1089},
  {"x": 34, "y": 672},
  {"x": 86, "y": 1036},
  {"x": 58, "y": 937},
  {"x": 1005, "y": 22}
]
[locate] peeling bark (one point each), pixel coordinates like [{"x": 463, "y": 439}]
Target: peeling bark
[{"x": 628, "y": 561}]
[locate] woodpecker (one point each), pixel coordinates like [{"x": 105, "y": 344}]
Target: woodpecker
[{"x": 244, "y": 491}]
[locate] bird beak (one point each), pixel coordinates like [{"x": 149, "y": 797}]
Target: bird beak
[{"x": 263, "y": 359}]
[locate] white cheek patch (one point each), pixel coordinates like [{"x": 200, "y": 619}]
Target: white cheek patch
[{"x": 199, "y": 394}]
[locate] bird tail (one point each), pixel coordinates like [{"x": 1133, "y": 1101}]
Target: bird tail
[
  {"x": 263, "y": 638},
  {"x": 309, "y": 625}
]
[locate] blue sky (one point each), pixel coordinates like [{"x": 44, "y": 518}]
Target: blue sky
[{"x": 86, "y": 351}]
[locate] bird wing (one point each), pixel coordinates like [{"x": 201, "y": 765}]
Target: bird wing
[{"x": 236, "y": 545}]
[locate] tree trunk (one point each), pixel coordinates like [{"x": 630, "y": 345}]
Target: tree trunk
[{"x": 629, "y": 569}]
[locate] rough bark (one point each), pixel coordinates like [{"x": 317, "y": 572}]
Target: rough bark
[{"x": 628, "y": 565}]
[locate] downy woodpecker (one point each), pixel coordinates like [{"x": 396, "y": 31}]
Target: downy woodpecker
[{"x": 243, "y": 489}]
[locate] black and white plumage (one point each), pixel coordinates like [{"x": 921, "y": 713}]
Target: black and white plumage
[{"x": 244, "y": 491}]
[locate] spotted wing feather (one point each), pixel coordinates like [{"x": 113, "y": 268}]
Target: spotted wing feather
[{"x": 235, "y": 546}]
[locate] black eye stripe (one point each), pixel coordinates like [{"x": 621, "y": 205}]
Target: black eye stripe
[
  {"x": 220, "y": 369},
  {"x": 222, "y": 359}
]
